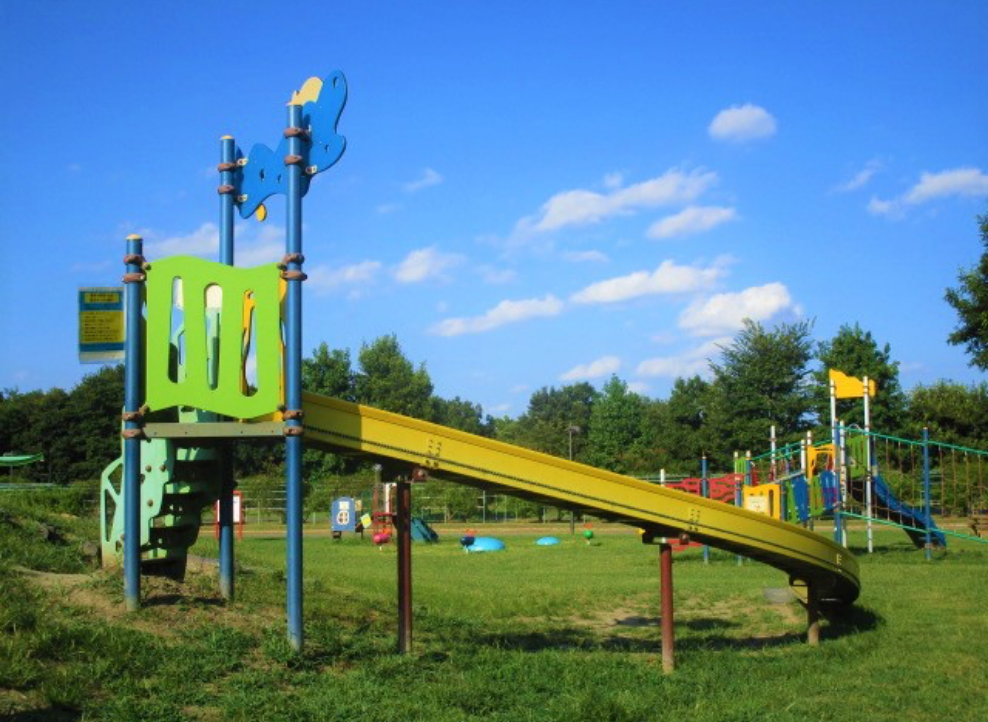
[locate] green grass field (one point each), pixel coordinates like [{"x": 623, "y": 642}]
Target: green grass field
[{"x": 560, "y": 633}]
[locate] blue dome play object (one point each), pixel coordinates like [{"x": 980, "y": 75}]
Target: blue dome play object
[
  {"x": 486, "y": 544},
  {"x": 547, "y": 541}
]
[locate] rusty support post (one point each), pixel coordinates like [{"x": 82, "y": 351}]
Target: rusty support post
[
  {"x": 812, "y": 615},
  {"x": 668, "y": 635},
  {"x": 403, "y": 529}
]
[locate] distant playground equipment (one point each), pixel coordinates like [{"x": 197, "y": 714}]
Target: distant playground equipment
[
  {"x": 344, "y": 517},
  {"x": 238, "y": 516},
  {"x": 385, "y": 510},
  {"x": 13, "y": 461},
  {"x": 213, "y": 355},
  {"x": 484, "y": 544},
  {"x": 860, "y": 474}
]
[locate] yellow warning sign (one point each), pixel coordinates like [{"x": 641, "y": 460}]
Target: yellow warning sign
[{"x": 101, "y": 325}]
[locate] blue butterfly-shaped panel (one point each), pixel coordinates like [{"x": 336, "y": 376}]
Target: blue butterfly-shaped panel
[{"x": 264, "y": 174}]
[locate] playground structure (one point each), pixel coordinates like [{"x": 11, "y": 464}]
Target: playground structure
[
  {"x": 384, "y": 512},
  {"x": 213, "y": 356},
  {"x": 865, "y": 475}
]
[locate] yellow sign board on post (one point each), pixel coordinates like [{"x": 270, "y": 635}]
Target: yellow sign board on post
[
  {"x": 848, "y": 387},
  {"x": 101, "y": 325}
]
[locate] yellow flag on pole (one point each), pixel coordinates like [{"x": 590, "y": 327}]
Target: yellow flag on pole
[{"x": 848, "y": 387}]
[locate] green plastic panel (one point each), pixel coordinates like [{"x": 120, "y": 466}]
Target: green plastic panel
[
  {"x": 176, "y": 484},
  {"x": 242, "y": 289}
]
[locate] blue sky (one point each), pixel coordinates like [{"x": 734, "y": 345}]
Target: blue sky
[{"x": 532, "y": 193}]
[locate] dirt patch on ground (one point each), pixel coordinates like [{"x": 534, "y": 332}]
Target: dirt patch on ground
[
  {"x": 734, "y": 617},
  {"x": 176, "y": 605}
]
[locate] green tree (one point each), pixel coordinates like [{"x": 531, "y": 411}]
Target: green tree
[
  {"x": 329, "y": 372},
  {"x": 615, "y": 438},
  {"x": 677, "y": 429},
  {"x": 93, "y": 413},
  {"x": 954, "y": 413},
  {"x": 551, "y": 413},
  {"x": 970, "y": 300},
  {"x": 761, "y": 380},
  {"x": 461, "y": 414},
  {"x": 389, "y": 381},
  {"x": 856, "y": 353},
  {"x": 39, "y": 422}
]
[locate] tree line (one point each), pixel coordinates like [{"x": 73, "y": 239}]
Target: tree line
[{"x": 763, "y": 377}]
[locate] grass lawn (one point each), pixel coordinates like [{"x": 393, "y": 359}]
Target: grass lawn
[{"x": 533, "y": 633}]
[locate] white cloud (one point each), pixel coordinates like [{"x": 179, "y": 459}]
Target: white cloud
[
  {"x": 604, "y": 366},
  {"x": 497, "y": 276},
  {"x": 667, "y": 278},
  {"x": 424, "y": 264},
  {"x": 323, "y": 279},
  {"x": 741, "y": 123},
  {"x": 582, "y": 207},
  {"x": 428, "y": 178},
  {"x": 692, "y": 219},
  {"x": 586, "y": 257},
  {"x": 255, "y": 247},
  {"x": 693, "y": 362},
  {"x": 725, "y": 312},
  {"x": 963, "y": 182},
  {"x": 254, "y": 244},
  {"x": 613, "y": 180},
  {"x": 860, "y": 179},
  {"x": 205, "y": 240},
  {"x": 385, "y": 208},
  {"x": 956, "y": 182},
  {"x": 878, "y": 207},
  {"x": 93, "y": 266},
  {"x": 639, "y": 387},
  {"x": 503, "y": 313}
]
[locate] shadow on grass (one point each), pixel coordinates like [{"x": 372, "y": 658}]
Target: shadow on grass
[
  {"x": 880, "y": 550},
  {"x": 47, "y": 714},
  {"x": 842, "y": 622},
  {"x": 165, "y": 600}
]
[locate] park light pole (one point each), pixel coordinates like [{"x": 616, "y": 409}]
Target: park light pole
[{"x": 573, "y": 429}]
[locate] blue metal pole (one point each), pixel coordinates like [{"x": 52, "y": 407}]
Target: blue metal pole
[
  {"x": 226, "y": 168},
  {"x": 926, "y": 493},
  {"x": 133, "y": 375},
  {"x": 705, "y": 493},
  {"x": 293, "y": 377}
]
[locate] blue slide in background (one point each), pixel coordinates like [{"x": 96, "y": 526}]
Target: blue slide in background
[
  {"x": 422, "y": 532},
  {"x": 898, "y": 512}
]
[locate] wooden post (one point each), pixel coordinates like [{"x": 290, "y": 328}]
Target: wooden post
[
  {"x": 668, "y": 634},
  {"x": 812, "y": 615}
]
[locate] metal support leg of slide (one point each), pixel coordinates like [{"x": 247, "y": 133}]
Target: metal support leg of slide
[
  {"x": 403, "y": 529},
  {"x": 668, "y": 633}
]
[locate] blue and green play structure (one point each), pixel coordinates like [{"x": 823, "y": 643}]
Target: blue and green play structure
[{"x": 213, "y": 355}]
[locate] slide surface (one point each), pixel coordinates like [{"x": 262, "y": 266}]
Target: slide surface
[
  {"x": 900, "y": 512},
  {"x": 452, "y": 455}
]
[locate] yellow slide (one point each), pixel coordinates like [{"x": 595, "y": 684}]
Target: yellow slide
[{"x": 806, "y": 557}]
